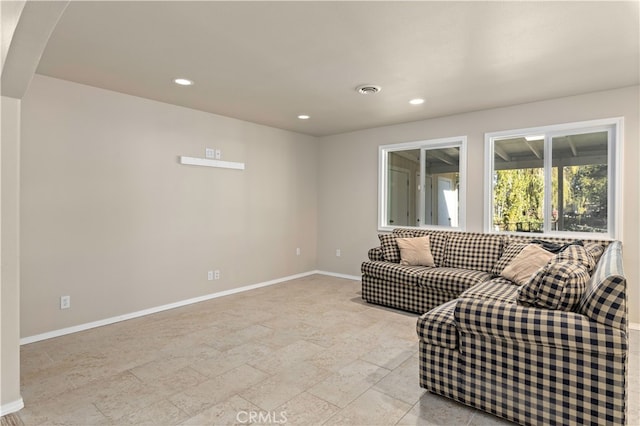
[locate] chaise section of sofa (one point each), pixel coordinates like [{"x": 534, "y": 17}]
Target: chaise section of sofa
[{"x": 528, "y": 364}]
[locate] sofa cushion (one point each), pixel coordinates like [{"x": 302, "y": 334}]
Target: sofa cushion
[
  {"x": 510, "y": 252},
  {"x": 389, "y": 246},
  {"x": 450, "y": 280},
  {"x": 526, "y": 263},
  {"x": 479, "y": 252},
  {"x": 577, "y": 254},
  {"x": 595, "y": 250},
  {"x": 558, "y": 285},
  {"x": 604, "y": 300},
  {"x": 437, "y": 241},
  {"x": 393, "y": 272},
  {"x": 415, "y": 251},
  {"x": 498, "y": 289},
  {"x": 438, "y": 326}
]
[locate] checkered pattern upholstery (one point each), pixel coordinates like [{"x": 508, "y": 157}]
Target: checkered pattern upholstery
[
  {"x": 509, "y": 253},
  {"x": 375, "y": 254},
  {"x": 499, "y": 289},
  {"x": 438, "y": 326},
  {"x": 479, "y": 252},
  {"x": 451, "y": 280},
  {"x": 389, "y": 247},
  {"x": 406, "y": 297},
  {"x": 595, "y": 249},
  {"x": 437, "y": 242},
  {"x": 418, "y": 288},
  {"x": 558, "y": 285},
  {"x": 605, "y": 299},
  {"x": 531, "y": 365},
  {"x": 547, "y": 327},
  {"x": 401, "y": 287},
  {"x": 577, "y": 254}
]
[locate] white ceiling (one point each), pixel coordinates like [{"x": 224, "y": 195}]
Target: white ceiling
[{"x": 267, "y": 62}]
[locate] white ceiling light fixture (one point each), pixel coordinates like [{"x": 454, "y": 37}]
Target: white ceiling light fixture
[
  {"x": 416, "y": 101},
  {"x": 534, "y": 138},
  {"x": 183, "y": 81},
  {"x": 368, "y": 89},
  {"x": 304, "y": 117}
]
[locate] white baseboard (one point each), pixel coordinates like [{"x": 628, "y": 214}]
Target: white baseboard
[
  {"x": 112, "y": 320},
  {"x": 634, "y": 326},
  {"x": 335, "y": 274},
  {"x": 11, "y": 407}
]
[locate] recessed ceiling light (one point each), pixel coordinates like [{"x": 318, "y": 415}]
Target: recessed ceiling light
[
  {"x": 304, "y": 117},
  {"x": 417, "y": 101},
  {"x": 183, "y": 82}
]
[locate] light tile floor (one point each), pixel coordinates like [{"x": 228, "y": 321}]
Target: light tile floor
[{"x": 303, "y": 352}]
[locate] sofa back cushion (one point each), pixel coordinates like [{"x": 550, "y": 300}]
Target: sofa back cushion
[
  {"x": 605, "y": 299},
  {"x": 479, "y": 252},
  {"x": 595, "y": 250},
  {"x": 389, "y": 246}
]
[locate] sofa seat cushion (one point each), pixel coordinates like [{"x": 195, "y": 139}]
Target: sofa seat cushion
[
  {"x": 451, "y": 280},
  {"x": 498, "y": 289},
  {"x": 438, "y": 326},
  {"x": 394, "y": 272},
  {"x": 479, "y": 252}
]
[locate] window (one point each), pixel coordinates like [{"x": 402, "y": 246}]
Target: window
[
  {"x": 421, "y": 184},
  {"x": 561, "y": 179}
]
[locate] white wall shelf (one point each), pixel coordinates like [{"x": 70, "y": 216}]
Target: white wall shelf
[{"x": 195, "y": 161}]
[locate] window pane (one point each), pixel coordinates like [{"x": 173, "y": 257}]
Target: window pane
[
  {"x": 518, "y": 185},
  {"x": 580, "y": 170},
  {"x": 422, "y": 184},
  {"x": 442, "y": 181},
  {"x": 404, "y": 167}
]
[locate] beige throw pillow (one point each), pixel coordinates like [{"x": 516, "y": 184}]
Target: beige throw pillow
[
  {"x": 415, "y": 251},
  {"x": 526, "y": 263}
]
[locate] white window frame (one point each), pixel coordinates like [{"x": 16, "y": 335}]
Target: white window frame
[
  {"x": 614, "y": 157},
  {"x": 459, "y": 142}
]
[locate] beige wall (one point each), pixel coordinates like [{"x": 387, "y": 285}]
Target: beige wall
[
  {"x": 348, "y": 173},
  {"x": 111, "y": 219}
]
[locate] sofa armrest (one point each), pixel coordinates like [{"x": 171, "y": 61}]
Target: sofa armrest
[
  {"x": 551, "y": 328},
  {"x": 375, "y": 254}
]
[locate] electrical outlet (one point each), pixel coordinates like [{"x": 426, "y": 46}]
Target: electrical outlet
[
  {"x": 209, "y": 152},
  {"x": 65, "y": 302},
  {"x": 210, "y": 275},
  {"x": 218, "y": 154},
  {"x": 298, "y": 251},
  {"x": 338, "y": 253},
  {"x": 216, "y": 274}
]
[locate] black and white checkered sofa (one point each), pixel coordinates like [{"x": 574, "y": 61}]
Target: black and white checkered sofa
[
  {"x": 532, "y": 365},
  {"x": 462, "y": 260}
]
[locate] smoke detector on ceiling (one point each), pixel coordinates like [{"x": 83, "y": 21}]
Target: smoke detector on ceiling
[{"x": 368, "y": 89}]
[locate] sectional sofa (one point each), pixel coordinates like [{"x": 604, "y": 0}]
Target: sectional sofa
[{"x": 549, "y": 349}]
